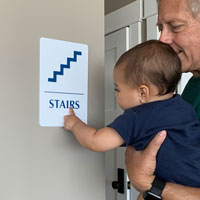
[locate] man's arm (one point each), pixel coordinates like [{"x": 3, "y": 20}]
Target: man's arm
[
  {"x": 95, "y": 140},
  {"x": 178, "y": 192},
  {"x": 141, "y": 166}
]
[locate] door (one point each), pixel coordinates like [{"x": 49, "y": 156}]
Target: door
[
  {"x": 115, "y": 45},
  {"x": 122, "y": 32}
]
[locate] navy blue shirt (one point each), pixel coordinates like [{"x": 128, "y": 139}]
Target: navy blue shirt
[{"x": 178, "y": 159}]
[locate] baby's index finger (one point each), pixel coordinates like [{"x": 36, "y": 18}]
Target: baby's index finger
[{"x": 71, "y": 111}]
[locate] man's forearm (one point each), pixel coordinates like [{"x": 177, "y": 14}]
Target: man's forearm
[
  {"x": 141, "y": 166},
  {"x": 178, "y": 192}
]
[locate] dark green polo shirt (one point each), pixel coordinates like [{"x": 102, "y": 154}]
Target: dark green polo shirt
[{"x": 191, "y": 94}]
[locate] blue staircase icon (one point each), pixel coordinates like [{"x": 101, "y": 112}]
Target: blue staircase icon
[{"x": 63, "y": 66}]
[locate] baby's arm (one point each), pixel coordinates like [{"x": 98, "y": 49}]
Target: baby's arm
[{"x": 96, "y": 140}]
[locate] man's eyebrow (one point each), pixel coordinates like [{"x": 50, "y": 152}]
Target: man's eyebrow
[{"x": 175, "y": 20}]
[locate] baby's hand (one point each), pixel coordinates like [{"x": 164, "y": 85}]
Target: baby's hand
[{"x": 70, "y": 120}]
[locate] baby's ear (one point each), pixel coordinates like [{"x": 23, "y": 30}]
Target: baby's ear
[{"x": 144, "y": 93}]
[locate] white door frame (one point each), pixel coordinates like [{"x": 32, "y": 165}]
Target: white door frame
[{"x": 124, "y": 17}]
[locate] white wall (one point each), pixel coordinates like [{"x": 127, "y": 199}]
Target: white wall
[{"x": 47, "y": 163}]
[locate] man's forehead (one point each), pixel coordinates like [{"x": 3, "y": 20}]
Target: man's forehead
[{"x": 173, "y": 10}]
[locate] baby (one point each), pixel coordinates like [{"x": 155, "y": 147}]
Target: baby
[{"x": 145, "y": 79}]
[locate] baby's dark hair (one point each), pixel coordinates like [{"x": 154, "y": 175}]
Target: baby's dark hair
[{"x": 151, "y": 62}]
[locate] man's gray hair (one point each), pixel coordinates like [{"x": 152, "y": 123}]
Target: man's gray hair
[{"x": 194, "y": 7}]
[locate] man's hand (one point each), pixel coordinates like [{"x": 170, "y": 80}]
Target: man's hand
[
  {"x": 70, "y": 120},
  {"x": 141, "y": 164}
]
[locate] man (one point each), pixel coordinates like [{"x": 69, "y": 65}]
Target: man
[{"x": 179, "y": 23}]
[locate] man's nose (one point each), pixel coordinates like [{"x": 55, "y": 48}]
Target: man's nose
[{"x": 166, "y": 37}]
